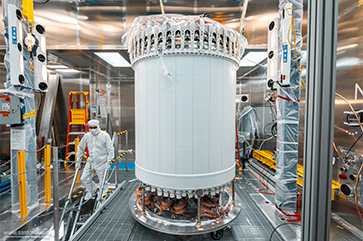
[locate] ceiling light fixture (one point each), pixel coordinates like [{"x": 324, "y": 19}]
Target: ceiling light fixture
[
  {"x": 252, "y": 58},
  {"x": 57, "y": 66},
  {"x": 67, "y": 70},
  {"x": 113, "y": 58}
]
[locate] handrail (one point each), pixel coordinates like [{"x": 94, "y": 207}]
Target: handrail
[
  {"x": 69, "y": 198},
  {"x": 121, "y": 133}
]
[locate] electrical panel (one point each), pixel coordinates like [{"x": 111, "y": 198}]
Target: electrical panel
[
  {"x": 15, "y": 32},
  {"x": 40, "y": 60},
  {"x": 10, "y": 112}
]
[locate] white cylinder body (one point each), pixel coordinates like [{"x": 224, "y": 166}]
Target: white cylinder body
[
  {"x": 185, "y": 75},
  {"x": 184, "y": 111}
]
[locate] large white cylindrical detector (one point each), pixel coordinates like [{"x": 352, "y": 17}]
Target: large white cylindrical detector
[{"x": 185, "y": 74}]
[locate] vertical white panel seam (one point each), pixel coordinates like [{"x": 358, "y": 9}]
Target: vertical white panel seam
[
  {"x": 209, "y": 111},
  {"x": 223, "y": 119},
  {"x": 160, "y": 144},
  {"x": 176, "y": 114},
  {"x": 148, "y": 117},
  {"x": 192, "y": 109}
]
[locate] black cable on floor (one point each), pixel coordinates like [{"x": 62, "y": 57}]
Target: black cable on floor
[
  {"x": 273, "y": 231},
  {"x": 44, "y": 2}
]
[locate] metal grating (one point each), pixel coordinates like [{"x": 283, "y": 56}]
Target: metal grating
[{"x": 116, "y": 223}]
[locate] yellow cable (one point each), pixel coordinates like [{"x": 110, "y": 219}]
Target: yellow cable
[
  {"x": 337, "y": 151},
  {"x": 161, "y": 7},
  {"x": 292, "y": 26},
  {"x": 304, "y": 85},
  {"x": 302, "y": 113}
]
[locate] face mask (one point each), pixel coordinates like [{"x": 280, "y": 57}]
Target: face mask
[{"x": 93, "y": 131}]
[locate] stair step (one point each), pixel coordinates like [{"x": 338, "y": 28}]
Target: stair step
[{"x": 76, "y": 133}]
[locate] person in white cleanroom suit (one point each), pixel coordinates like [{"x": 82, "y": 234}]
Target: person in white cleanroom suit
[{"x": 101, "y": 152}]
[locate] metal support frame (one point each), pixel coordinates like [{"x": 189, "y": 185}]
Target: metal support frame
[
  {"x": 127, "y": 147},
  {"x": 143, "y": 198},
  {"x": 22, "y": 184},
  {"x": 55, "y": 194},
  {"x": 76, "y": 218},
  {"x": 233, "y": 188},
  {"x": 319, "y": 123},
  {"x": 68, "y": 224},
  {"x": 115, "y": 136},
  {"x": 199, "y": 223},
  {"x": 100, "y": 191},
  {"x": 69, "y": 198}
]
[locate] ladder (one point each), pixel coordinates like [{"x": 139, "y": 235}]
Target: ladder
[{"x": 77, "y": 120}]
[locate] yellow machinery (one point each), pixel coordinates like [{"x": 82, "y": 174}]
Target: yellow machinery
[{"x": 267, "y": 158}]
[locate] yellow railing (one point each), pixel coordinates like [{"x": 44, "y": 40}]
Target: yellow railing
[
  {"x": 47, "y": 178},
  {"x": 22, "y": 184}
]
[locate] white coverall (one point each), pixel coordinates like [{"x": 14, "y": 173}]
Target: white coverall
[{"x": 96, "y": 141}]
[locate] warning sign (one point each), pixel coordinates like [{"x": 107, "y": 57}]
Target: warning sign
[{"x": 5, "y": 107}]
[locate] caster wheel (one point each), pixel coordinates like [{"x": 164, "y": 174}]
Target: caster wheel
[{"x": 217, "y": 235}]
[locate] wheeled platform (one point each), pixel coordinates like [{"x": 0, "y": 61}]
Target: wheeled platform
[{"x": 181, "y": 227}]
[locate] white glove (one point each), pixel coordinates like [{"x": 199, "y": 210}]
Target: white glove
[{"x": 78, "y": 163}]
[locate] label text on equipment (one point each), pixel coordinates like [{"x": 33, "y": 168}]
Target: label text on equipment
[
  {"x": 14, "y": 36},
  {"x": 5, "y": 107}
]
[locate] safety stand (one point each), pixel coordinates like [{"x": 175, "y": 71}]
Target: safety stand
[
  {"x": 199, "y": 223},
  {"x": 100, "y": 190},
  {"x": 233, "y": 187},
  {"x": 115, "y": 138},
  {"x": 69, "y": 198},
  {"x": 77, "y": 216},
  {"x": 143, "y": 199}
]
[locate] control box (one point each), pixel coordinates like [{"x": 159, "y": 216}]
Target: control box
[{"x": 10, "y": 110}]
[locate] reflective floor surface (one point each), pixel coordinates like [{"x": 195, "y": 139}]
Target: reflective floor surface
[
  {"x": 117, "y": 223},
  {"x": 256, "y": 221},
  {"x": 10, "y": 221}
]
